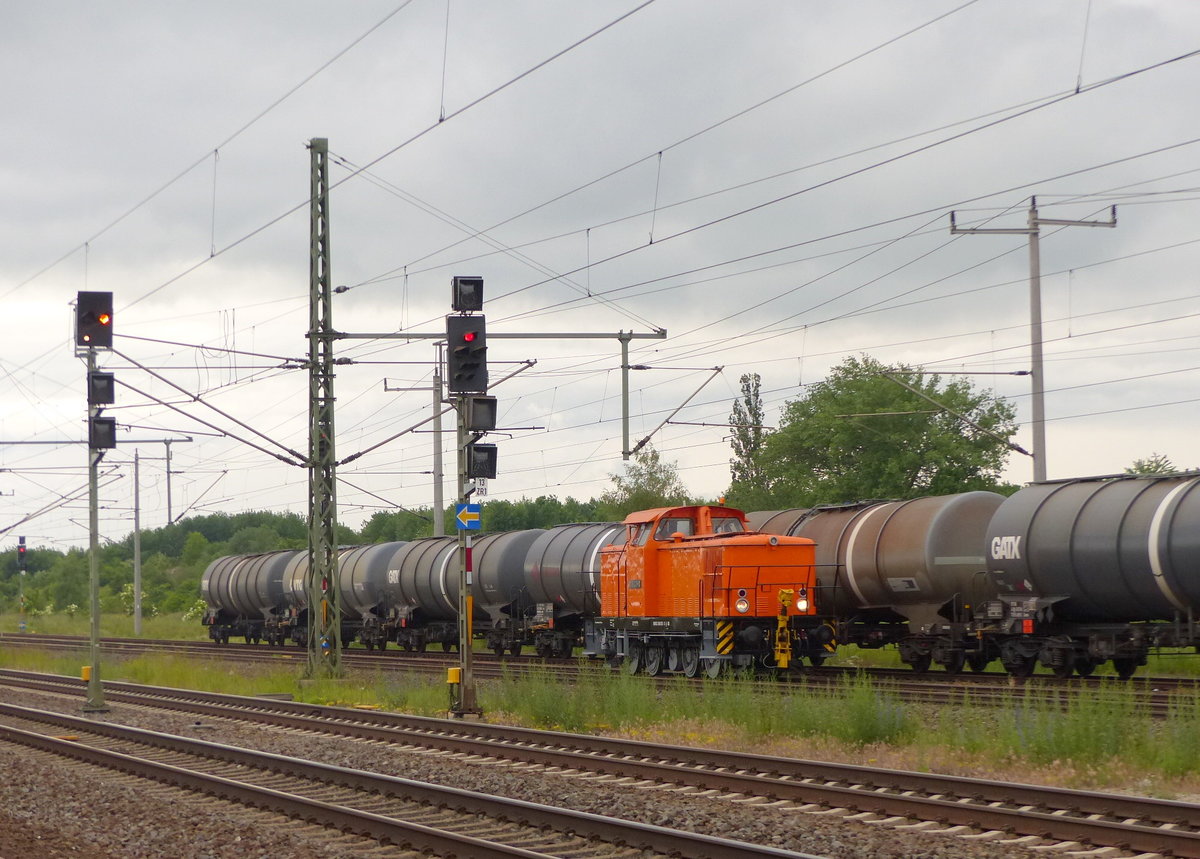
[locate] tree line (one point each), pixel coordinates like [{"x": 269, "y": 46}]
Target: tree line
[{"x": 867, "y": 431}]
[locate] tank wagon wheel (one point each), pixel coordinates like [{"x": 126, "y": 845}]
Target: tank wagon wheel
[
  {"x": 514, "y": 649},
  {"x": 689, "y": 661},
  {"x": 498, "y": 649},
  {"x": 921, "y": 664},
  {"x": 1021, "y": 666},
  {"x": 1125, "y": 666},
  {"x": 383, "y": 645},
  {"x": 714, "y": 668},
  {"x": 654, "y": 660},
  {"x": 978, "y": 662},
  {"x": 369, "y": 645},
  {"x": 1084, "y": 666},
  {"x": 447, "y": 646},
  {"x": 1062, "y": 672},
  {"x": 956, "y": 662}
]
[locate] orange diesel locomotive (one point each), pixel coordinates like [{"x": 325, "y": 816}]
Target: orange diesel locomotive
[{"x": 691, "y": 588}]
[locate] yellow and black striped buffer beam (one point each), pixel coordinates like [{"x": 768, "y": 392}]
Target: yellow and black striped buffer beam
[{"x": 724, "y": 637}]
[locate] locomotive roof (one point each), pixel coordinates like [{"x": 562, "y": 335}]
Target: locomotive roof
[{"x": 684, "y": 510}]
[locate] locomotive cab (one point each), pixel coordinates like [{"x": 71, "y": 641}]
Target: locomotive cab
[{"x": 693, "y": 586}]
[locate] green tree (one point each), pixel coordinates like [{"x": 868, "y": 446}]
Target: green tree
[
  {"x": 398, "y": 525},
  {"x": 750, "y": 486},
  {"x": 1156, "y": 463},
  {"x": 859, "y": 434},
  {"x": 647, "y": 482}
]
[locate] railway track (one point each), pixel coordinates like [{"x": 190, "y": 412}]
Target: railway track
[
  {"x": 1156, "y": 696},
  {"x": 413, "y": 815},
  {"x": 1051, "y": 817}
]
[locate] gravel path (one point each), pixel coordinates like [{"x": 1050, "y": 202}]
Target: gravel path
[{"x": 51, "y": 809}]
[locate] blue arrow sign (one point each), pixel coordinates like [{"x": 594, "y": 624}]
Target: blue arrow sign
[{"x": 468, "y": 517}]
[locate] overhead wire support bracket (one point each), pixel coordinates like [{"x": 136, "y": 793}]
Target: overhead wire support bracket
[
  {"x": 943, "y": 407},
  {"x": 716, "y": 371}
]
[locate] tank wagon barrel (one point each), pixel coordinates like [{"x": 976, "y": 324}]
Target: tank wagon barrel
[{"x": 562, "y": 582}]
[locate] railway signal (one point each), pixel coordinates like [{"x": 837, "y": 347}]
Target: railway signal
[
  {"x": 94, "y": 319},
  {"x": 481, "y": 461},
  {"x": 466, "y": 355},
  {"x": 481, "y": 413},
  {"x": 21, "y": 554},
  {"x": 466, "y": 293}
]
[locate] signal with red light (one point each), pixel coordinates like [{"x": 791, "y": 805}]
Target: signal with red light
[
  {"x": 466, "y": 355},
  {"x": 94, "y": 319}
]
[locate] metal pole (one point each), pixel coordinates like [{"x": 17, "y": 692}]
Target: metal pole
[
  {"x": 1035, "y": 346},
  {"x": 1032, "y": 229},
  {"x": 321, "y": 585},
  {"x": 467, "y": 703},
  {"x": 624, "y": 338},
  {"x": 170, "y": 517},
  {"x": 95, "y": 692},
  {"x": 439, "y": 503},
  {"x": 137, "y": 548}
]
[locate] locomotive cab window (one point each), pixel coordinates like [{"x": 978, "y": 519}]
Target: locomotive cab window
[
  {"x": 639, "y": 534},
  {"x": 727, "y": 525},
  {"x": 667, "y": 527}
]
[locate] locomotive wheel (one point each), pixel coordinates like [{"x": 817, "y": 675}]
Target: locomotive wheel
[
  {"x": 446, "y": 645},
  {"x": 633, "y": 660},
  {"x": 654, "y": 660},
  {"x": 817, "y": 659},
  {"x": 954, "y": 665},
  {"x": 1125, "y": 666},
  {"x": 419, "y": 647},
  {"x": 978, "y": 662},
  {"x": 689, "y": 661},
  {"x": 714, "y": 668}
]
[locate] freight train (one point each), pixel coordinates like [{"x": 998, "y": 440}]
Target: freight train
[
  {"x": 1069, "y": 575},
  {"x": 672, "y": 589}
]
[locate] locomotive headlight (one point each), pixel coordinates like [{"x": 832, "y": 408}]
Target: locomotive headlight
[
  {"x": 802, "y": 604},
  {"x": 742, "y": 605}
]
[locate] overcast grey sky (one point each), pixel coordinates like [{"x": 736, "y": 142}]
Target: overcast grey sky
[{"x": 769, "y": 181}]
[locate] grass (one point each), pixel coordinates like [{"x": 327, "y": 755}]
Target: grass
[
  {"x": 1100, "y": 740},
  {"x": 171, "y": 626}
]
